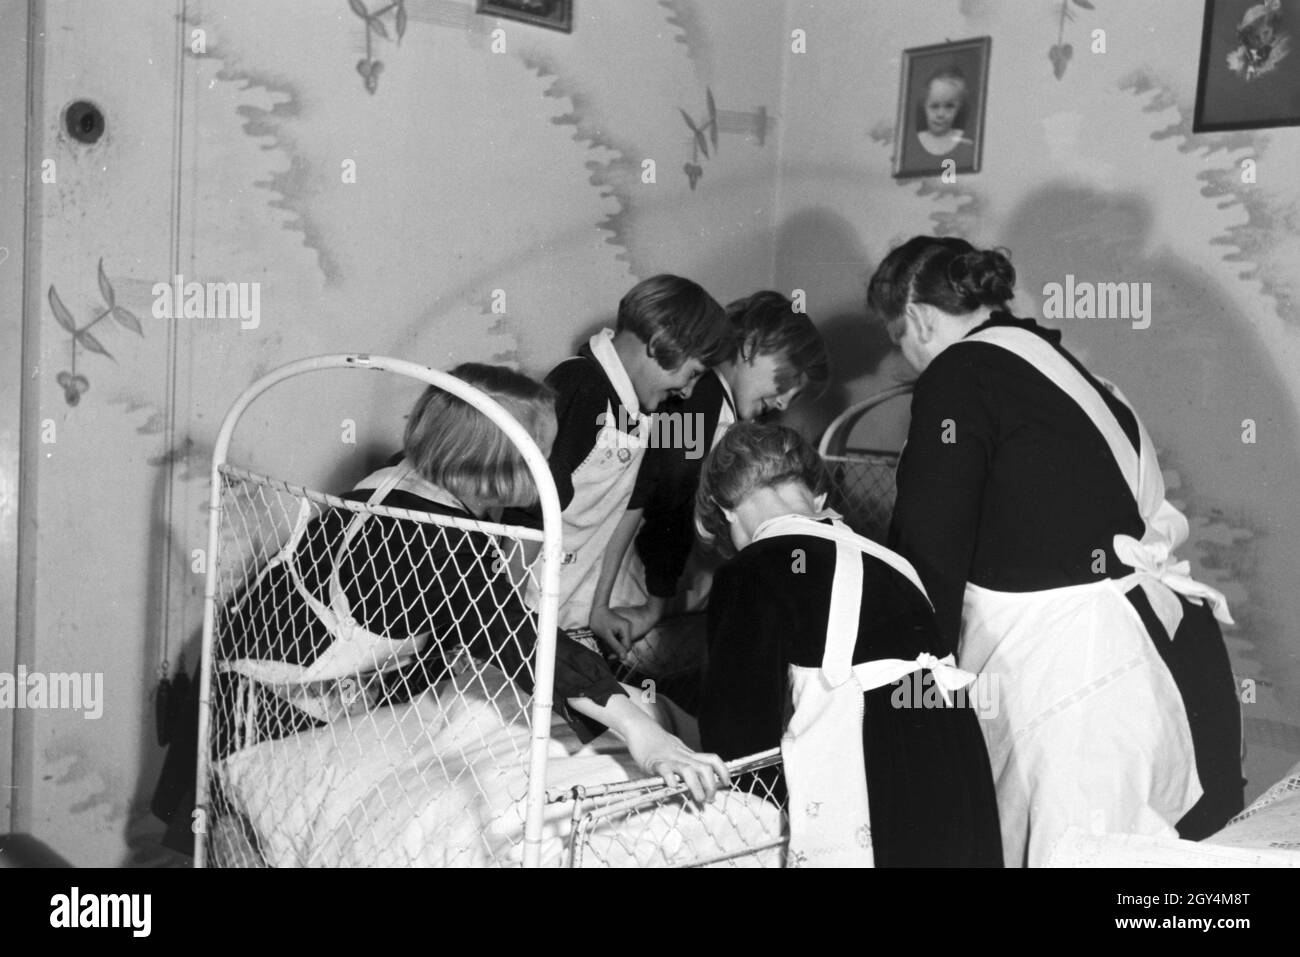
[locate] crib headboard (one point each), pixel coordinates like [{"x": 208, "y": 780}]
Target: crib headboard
[{"x": 296, "y": 690}]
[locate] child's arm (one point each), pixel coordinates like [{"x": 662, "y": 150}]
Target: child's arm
[
  {"x": 641, "y": 618},
  {"x": 666, "y": 488},
  {"x": 614, "y": 629},
  {"x": 654, "y": 749}
]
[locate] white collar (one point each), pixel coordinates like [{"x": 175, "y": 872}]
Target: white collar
[
  {"x": 768, "y": 528},
  {"x": 729, "y": 399},
  {"x": 406, "y": 478},
  {"x": 602, "y": 349}
]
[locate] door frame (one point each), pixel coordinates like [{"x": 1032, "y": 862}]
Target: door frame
[{"x": 22, "y": 39}]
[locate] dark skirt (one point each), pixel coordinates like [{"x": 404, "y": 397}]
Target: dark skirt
[
  {"x": 1198, "y": 660},
  {"x": 930, "y": 790}
]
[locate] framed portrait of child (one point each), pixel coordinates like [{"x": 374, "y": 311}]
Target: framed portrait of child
[{"x": 941, "y": 100}]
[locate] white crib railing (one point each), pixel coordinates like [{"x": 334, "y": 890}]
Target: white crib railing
[
  {"x": 251, "y": 518},
  {"x": 862, "y": 479}
]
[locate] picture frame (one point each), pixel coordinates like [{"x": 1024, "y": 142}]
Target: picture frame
[
  {"x": 925, "y": 140},
  {"x": 552, "y": 14},
  {"x": 1249, "y": 76}
]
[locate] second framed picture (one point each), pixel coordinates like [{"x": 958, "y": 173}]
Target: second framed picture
[
  {"x": 1249, "y": 78},
  {"x": 941, "y": 106},
  {"x": 552, "y": 14}
]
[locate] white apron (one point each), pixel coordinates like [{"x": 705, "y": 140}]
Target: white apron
[
  {"x": 825, "y": 773},
  {"x": 602, "y": 489},
  {"x": 1090, "y": 729},
  {"x": 697, "y": 576}
]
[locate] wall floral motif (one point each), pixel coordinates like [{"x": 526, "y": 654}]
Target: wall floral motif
[
  {"x": 1061, "y": 52},
  {"x": 369, "y": 67},
  {"x": 73, "y": 383},
  {"x": 704, "y": 133}
]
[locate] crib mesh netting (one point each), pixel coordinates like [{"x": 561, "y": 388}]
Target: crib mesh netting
[
  {"x": 333, "y": 746},
  {"x": 862, "y": 487},
  {"x": 862, "y": 490},
  {"x": 316, "y": 716},
  {"x": 330, "y": 744}
]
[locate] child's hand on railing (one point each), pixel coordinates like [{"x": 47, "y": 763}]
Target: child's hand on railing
[
  {"x": 658, "y": 752},
  {"x": 641, "y": 618},
  {"x": 655, "y": 750},
  {"x": 613, "y": 629}
]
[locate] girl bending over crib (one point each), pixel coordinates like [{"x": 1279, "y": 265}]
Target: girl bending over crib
[
  {"x": 434, "y": 590},
  {"x": 816, "y": 637}
]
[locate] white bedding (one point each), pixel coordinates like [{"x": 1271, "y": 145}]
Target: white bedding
[
  {"x": 1267, "y": 834},
  {"x": 439, "y": 782}
]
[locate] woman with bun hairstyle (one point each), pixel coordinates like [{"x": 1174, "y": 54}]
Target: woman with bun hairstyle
[{"x": 1032, "y": 506}]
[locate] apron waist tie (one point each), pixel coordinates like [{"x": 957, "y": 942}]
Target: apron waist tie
[
  {"x": 1163, "y": 579},
  {"x": 885, "y": 671}
]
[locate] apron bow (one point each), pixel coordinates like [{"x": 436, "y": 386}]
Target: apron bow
[
  {"x": 885, "y": 671},
  {"x": 1154, "y": 565}
]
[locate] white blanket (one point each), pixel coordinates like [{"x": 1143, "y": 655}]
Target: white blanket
[
  {"x": 1266, "y": 834},
  {"x": 440, "y": 782}
]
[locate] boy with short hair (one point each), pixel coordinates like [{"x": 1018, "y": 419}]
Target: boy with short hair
[
  {"x": 776, "y": 355},
  {"x": 668, "y": 332}
]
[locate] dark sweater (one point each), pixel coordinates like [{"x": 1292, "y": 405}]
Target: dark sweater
[
  {"x": 666, "y": 485},
  {"x": 1005, "y": 482}
]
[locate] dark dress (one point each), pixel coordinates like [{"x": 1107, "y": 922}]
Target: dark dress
[
  {"x": 1021, "y": 500},
  {"x": 931, "y": 794}
]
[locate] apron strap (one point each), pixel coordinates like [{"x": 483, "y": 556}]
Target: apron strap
[
  {"x": 1047, "y": 360},
  {"x": 846, "y": 586},
  {"x": 839, "y": 532},
  {"x": 339, "y": 603},
  {"x": 337, "y": 615},
  {"x": 286, "y": 553},
  {"x": 1166, "y": 527},
  {"x": 842, "y": 618}
]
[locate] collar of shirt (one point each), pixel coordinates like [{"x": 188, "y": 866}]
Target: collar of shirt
[
  {"x": 603, "y": 351},
  {"x": 826, "y": 515},
  {"x": 1000, "y": 317},
  {"x": 411, "y": 481},
  {"x": 728, "y": 415}
]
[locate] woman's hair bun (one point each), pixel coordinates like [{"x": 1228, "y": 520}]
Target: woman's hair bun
[{"x": 983, "y": 277}]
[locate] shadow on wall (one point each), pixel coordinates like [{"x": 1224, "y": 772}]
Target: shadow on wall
[
  {"x": 1195, "y": 375},
  {"x": 735, "y": 256},
  {"x": 835, "y": 284},
  {"x": 143, "y": 830},
  {"x": 819, "y": 251}
]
